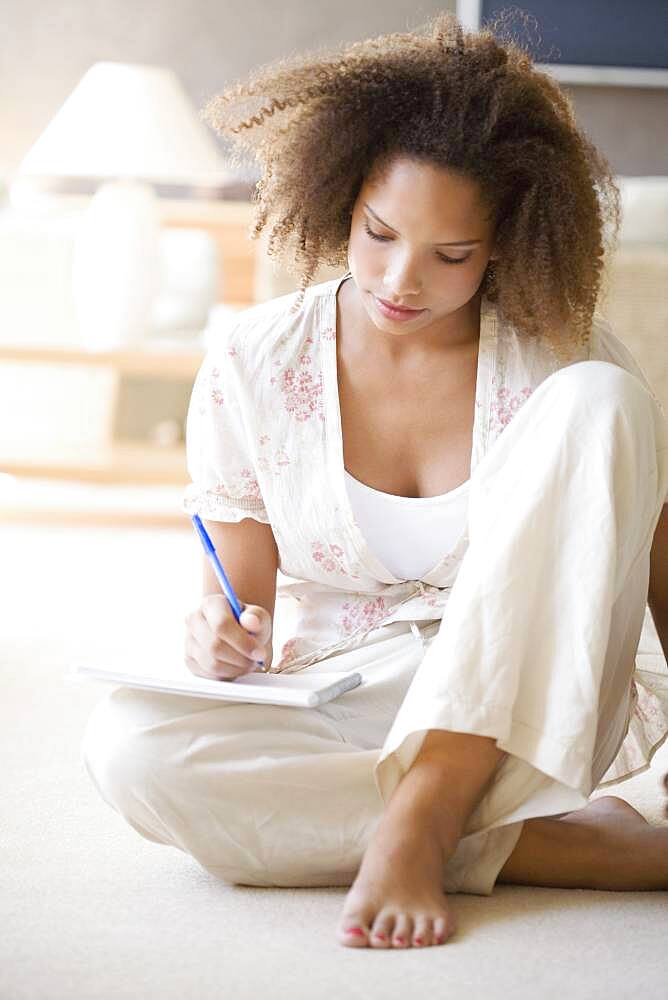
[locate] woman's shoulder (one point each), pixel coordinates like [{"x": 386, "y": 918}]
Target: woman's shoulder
[
  {"x": 233, "y": 327},
  {"x": 256, "y": 352},
  {"x": 605, "y": 345},
  {"x": 260, "y": 330},
  {"x": 602, "y": 344}
]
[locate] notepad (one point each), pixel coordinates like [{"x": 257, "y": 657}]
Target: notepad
[{"x": 302, "y": 690}]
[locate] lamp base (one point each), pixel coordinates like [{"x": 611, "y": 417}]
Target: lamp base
[{"x": 116, "y": 265}]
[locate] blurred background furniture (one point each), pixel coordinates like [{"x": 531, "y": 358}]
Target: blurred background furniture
[
  {"x": 73, "y": 416},
  {"x": 129, "y": 126},
  {"x": 634, "y": 294}
]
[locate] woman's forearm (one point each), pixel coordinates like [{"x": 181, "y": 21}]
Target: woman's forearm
[{"x": 660, "y": 619}]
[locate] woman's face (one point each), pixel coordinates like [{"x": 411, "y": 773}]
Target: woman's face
[{"x": 397, "y": 251}]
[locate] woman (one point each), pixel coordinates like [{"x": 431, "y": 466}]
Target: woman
[{"x": 463, "y": 471}]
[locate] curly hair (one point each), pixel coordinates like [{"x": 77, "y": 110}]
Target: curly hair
[{"x": 472, "y": 103}]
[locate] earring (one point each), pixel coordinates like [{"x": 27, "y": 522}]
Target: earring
[{"x": 490, "y": 276}]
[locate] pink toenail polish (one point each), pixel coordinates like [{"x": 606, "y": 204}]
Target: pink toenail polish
[
  {"x": 380, "y": 936},
  {"x": 418, "y": 940},
  {"x": 398, "y": 940},
  {"x": 355, "y": 930}
]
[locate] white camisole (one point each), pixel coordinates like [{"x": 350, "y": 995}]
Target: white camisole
[{"x": 409, "y": 535}]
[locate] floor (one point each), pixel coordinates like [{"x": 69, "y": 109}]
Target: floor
[{"x": 90, "y": 910}]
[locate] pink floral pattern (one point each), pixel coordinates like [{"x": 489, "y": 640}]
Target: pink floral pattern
[
  {"x": 362, "y": 613},
  {"x": 244, "y": 486},
  {"x": 504, "y": 405},
  {"x": 302, "y": 390},
  {"x": 432, "y": 599},
  {"x": 303, "y": 395},
  {"x": 275, "y": 462},
  {"x": 328, "y": 556},
  {"x": 216, "y": 394},
  {"x": 647, "y": 727}
]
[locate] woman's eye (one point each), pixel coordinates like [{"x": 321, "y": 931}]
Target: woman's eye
[
  {"x": 446, "y": 260},
  {"x": 374, "y": 236}
]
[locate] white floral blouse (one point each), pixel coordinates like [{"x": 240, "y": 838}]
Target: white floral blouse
[{"x": 264, "y": 441}]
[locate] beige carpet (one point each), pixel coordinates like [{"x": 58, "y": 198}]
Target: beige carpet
[{"x": 91, "y": 911}]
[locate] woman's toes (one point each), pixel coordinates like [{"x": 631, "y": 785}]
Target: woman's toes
[
  {"x": 354, "y": 937},
  {"x": 403, "y": 931},
  {"x": 443, "y": 928},
  {"x": 354, "y": 930},
  {"x": 422, "y": 932},
  {"x": 381, "y": 932}
]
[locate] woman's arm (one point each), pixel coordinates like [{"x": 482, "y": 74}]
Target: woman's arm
[
  {"x": 658, "y": 580},
  {"x": 249, "y": 555}
]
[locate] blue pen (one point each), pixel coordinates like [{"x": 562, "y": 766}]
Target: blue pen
[{"x": 232, "y": 599}]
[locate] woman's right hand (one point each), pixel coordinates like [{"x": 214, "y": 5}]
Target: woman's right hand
[{"x": 218, "y": 647}]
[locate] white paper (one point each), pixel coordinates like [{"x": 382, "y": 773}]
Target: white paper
[{"x": 298, "y": 690}]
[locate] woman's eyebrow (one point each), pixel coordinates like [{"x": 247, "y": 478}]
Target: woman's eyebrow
[{"x": 459, "y": 243}]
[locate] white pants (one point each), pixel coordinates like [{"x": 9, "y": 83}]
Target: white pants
[{"x": 536, "y": 648}]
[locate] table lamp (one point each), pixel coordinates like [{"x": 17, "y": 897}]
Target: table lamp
[{"x": 130, "y": 126}]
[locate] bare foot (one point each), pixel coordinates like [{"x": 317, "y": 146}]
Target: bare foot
[
  {"x": 397, "y": 899},
  {"x": 640, "y": 848}
]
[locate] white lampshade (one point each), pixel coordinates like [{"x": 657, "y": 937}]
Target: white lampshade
[{"x": 127, "y": 121}]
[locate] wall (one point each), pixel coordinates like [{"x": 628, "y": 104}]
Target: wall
[
  {"x": 46, "y": 48},
  {"x": 639, "y": 148}
]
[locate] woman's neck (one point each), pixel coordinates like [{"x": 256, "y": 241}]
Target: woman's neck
[{"x": 452, "y": 342}]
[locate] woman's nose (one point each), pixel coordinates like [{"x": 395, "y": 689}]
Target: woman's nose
[{"x": 402, "y": 283}]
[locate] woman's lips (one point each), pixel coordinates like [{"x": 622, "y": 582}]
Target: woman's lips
[{"x": 394, "y": 312}]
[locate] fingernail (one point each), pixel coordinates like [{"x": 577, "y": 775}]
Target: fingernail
[{"x": 257, "y": 656}]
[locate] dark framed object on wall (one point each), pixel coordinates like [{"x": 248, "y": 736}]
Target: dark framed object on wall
[{"x": 596, "y": 42}]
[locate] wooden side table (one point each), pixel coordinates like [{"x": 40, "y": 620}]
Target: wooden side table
[{"x": 117, "y": 463}]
